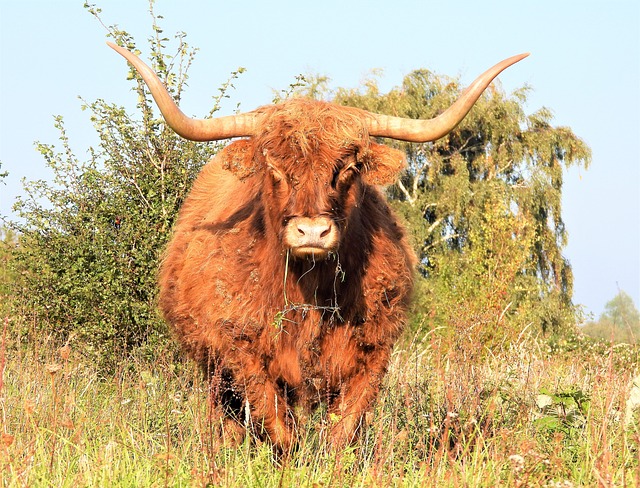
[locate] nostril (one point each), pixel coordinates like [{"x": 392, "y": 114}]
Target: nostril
[{"x": 311, "y": 231}]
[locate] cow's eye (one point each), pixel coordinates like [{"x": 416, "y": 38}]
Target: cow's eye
[
  {"x": 345, "y": 175},
  {"x": 336, "y": 176}
]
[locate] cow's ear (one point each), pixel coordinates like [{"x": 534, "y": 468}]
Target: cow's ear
[
  {"x": 384, "y": 165},
  {"x": 238, "y": 158}
]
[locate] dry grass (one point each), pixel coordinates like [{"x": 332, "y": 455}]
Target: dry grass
[{"x": 451, "y": 414}]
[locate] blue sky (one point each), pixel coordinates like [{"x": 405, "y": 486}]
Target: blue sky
[{"x": 584, "y": 65}]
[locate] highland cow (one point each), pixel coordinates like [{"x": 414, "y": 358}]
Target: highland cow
[{"x": 288, "y": 277}]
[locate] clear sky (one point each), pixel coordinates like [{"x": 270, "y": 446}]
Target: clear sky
[{"x": 584, "y": 65}]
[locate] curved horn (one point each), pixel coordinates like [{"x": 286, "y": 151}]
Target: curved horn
[
  {"x": 193, "y": 129},
  {"x": 412, "y": 130}
]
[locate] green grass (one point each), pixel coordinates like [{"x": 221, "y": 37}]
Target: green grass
[{"x": 451, "y": 414}]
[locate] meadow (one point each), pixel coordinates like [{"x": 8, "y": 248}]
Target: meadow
[{"x": 452, "y": 413}]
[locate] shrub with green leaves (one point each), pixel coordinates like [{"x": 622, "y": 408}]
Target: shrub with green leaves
[
  {"x": 91, "y": 239},
  {"x": 8, "y": 241}
]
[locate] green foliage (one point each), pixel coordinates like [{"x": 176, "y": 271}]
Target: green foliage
[
  {"x": 621, "y": 310},
  {"x": 623, "y": 356},
  {"x": 8, "y": 241},
  {"x": 90, "y": 241},
  {"x": 619, "y": 323},
  {"x": 483, "y": 206},
  {"x": 564, "y": 412}
]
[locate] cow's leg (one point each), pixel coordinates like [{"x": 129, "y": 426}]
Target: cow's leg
[
  {"x": 241, "y": 393},
  {"x": 356, "y": 371},
  {"x": 357, "y": 394},
  {"x": 270, "y": 413},
  {"x": 226, "y": 406}
]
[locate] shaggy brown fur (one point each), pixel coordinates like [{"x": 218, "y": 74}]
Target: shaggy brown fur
[{"x": 273, "y": 330}]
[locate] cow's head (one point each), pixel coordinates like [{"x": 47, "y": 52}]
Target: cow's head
[
  {"x": 313, "y": 160},
  {"x": 314, "y": 157}
]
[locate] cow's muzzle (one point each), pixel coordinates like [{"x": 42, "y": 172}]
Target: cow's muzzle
[{"x": 311, "y": 237}]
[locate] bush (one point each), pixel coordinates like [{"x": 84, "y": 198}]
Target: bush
[{"x": 91, "y": 240}]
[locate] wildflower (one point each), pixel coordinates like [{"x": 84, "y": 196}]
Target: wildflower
[
  {"x": 560, "y": 484},
  {"x": 517, "y": 462},
  {"x": 7, "y": 439},
  {"x": 29, "y": 406},
  {"x": 53, "y": 368},
  {"x": 402, "y": 436},
  {"x": 64, "y": 352},
  {"x": 633, "y": 402},
  {"x": 110, "y": 450}
]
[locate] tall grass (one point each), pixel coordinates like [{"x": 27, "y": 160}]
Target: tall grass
[{"x": 451, "y": 414}]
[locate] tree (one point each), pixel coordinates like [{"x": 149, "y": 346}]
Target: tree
[
  {"x": 90, "y": 241},
  {"x": 620, "y": 321},
  {"x": 621, "y": 311},
  {"x": 484, "y": 206}
]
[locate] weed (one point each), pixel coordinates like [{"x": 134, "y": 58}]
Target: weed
[{"x": 445, "y": 417}]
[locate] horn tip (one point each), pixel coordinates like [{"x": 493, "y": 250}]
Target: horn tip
[
  {"x": 519, "y": 57},
  {"x": 510, "y": 61},
  {"x": 116, "y": 48},
  {"x": 119, "y": 49}
]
